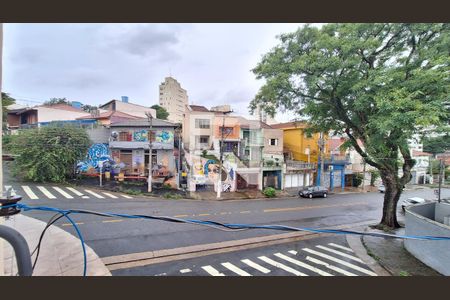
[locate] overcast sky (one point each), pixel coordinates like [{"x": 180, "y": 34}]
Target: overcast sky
[{"x": 94, "y": 63}]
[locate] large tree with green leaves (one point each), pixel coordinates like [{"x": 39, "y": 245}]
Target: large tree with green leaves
[
  {"x": 48, "y": 154},
  {"x": 436, "y": 145},
  {"x": 161, "y": 112},
  {"x": 377, "y": 83}
]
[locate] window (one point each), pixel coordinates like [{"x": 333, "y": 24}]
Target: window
[
  {"x": 204, "y": 139},
  {"x": 273, "y": 142},
  {"x": 226, "y": 130},
  {"x": 202, "y": 123},
  {"x": 125, "y": 136},
  {"x": 151, "y": 136}
]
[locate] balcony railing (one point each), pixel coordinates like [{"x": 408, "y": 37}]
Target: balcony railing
[{"x": 300, "y": 165}]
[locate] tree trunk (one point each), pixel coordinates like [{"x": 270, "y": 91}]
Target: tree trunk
[{"x": 392, "y": 194}]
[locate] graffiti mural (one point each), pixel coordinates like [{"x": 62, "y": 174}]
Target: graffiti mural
[
  {"x": 96, "y": 153},
  {"x": 165, "y": 137},
  {"x": 140, "y": 135}
]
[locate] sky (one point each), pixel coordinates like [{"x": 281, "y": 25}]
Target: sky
[{"x": 95, "y": 63}]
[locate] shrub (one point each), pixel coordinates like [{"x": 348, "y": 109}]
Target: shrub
[
  {"x": 374, "y": 175},
  {"x": 357, "y": 179},
  {"x": 132, "y": 192},
  {"x": 171, "y": 196},
  {"x": 269, "y": 192},
  {"x": 49, "y": 154}
]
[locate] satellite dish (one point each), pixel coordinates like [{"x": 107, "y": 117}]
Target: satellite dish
[{"x": 114, "y": 134}]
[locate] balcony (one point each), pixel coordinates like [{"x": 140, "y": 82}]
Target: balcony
[
  {"x": 253, "y": 142},
  {"x": 299, "y": 165}
]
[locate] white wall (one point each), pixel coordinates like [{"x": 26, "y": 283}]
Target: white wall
[
  {"x": 134, "y": 110},
  {"x": 46, "y": 114}
]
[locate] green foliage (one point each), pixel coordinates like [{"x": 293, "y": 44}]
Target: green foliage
[
  {"x": 436, "y": 145},
  {"x": 6, "y": 101},
  {"x": 357, "y": 179},
  {"x": 49, "y": 154},
  {"x": 172, "y": 196},
  {"x": 132, "y": 192},
  {"x": 54, "y": 101},
  {"x": 269, "y": 192},
  {"x": 7, "y": 143},
  {"x": 161, "y": 112},
  {"x": 204, "y": 153},
  {"x": 374, "y": 175},
  {"x": 377, "y": 83}
]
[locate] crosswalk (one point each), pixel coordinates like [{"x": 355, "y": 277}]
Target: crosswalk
[
  {"x": 321, "y": 260},
  {"x": 60, "y": 192}
]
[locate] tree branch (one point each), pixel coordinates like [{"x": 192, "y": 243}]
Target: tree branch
[{"x": 361, "y": 151}]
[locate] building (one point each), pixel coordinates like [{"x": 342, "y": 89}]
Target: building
[
  {"x": 263, "y": 116},
  {"x": 131, "y": 147},
  {"x": 128, "y": 108},
  {"x": 108, "y": 117},
  {"x": 173, "y": 98},
  {"x": 29, "y": 117},
  {"x": 197, "y": 128}
]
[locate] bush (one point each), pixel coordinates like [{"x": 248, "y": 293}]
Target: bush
[
  {"x": 132, "y": 192},
  {"x": 49, "y": 154},
  {"x": 269, "y": 192},
  {"x": 357, "y": 179},
  {"x": 374, "y": 175},
  {"x": 171, "y": 196},
  {"x": 8, "y": 141}
]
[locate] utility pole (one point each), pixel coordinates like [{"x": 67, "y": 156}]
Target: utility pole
[
  {"x": 441, "y": 169},
  {"x": 219, "y": 181},
  {"x": 364, "y": 176},
  {"x": 321, "y": 157},
  {"x": 431, "y": 169},
  {"x": 150, "y": 156}
]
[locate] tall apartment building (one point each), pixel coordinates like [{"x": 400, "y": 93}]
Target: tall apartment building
[{"x": 173, "y": 98}]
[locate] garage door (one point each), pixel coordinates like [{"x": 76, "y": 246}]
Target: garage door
[{"x": 293, "y": 180}]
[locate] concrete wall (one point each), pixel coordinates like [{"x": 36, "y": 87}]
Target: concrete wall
[
  {"x": 273, "y": 134},
  {"x": 99, "y": 135},
  {"x": 134, "y": 109},
  {"x": 47, "y": 114},
  {"x": 419, "y": 220}
]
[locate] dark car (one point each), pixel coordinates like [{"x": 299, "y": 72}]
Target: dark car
[{"x": 313, "y": 191}]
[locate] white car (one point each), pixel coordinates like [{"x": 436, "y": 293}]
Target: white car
[
  {"x": 381, "y": 188},
  {"x": 411, "y": 201}
]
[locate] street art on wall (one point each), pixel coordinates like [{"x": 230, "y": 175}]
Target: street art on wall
[
  {"x": 206, "y": 171},
  {"x": 165, "y": 137},
  {"x": 96, "y": 153},
  {"x": 140, "y": 135}
]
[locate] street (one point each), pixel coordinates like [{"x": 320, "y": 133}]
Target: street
[{"x": 111, "y": 237}]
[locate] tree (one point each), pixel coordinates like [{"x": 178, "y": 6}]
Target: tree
[
  {"x": 54, "y": 101},
  {"x": 377, "y": 83},
  {"x": 161, "y": 112},
  {"x": 48, "y": 154},
  {"x": 436, "y": 145},
  {"x": 7, "y": 100}
]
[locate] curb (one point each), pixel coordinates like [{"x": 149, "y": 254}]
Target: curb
[
  {"x": 356, "y": 243},
  {"x": 166, "y": 255}
]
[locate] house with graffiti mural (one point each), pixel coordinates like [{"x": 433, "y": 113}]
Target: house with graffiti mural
[
  {"x": 252, "y": 151},
  {"x": 129, "y": 146}
]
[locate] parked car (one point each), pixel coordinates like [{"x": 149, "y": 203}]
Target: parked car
[
  {"x": 313, "y": 191},
  {"x": 411, "y": 201},
  {"x": 381, "y": 188}
]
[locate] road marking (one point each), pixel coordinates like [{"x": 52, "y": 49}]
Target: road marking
[
  {"x": 70, "y": 224},
  {"x": 235, "y": 269},
  {"x": 340, "y": 253},
  {"x": 224, "y": 213},
  {"x": 28, "y": 191},
  {"x": 310, "y": 207},
  {"x": 255, "y": 266},
  {"x": 302, "y": 264},
  {"x": 76, "y": 192},
  {"x": 111, "y": 221},
  {"x": 281, "y": 266},
  {"x": 62, "y": 192},
  {"x": 13, "y": 192},
  {"x": 212, "y": 271},
  {"x": 46, "y": 192},
  {"x": 245, "y": 212},
  {"x": 94, "y": 194},
  {"x": 110, "y": 195},
  {"x": 341, "y": 247},
  {"x": 125, "y": 196},
  {"x": 331, "y": 267},
  {"x": 185, "y": 271},
  {"x": 181, "y": 216},
  {"x": 201, "y": 215},
  {"x": 347, "y": 264}
]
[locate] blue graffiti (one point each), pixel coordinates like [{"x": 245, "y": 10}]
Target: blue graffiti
[
  {"x": 205, "y": 168},
  {"x": 96, "y": 153},
  {"x": 231, "y": 173}
]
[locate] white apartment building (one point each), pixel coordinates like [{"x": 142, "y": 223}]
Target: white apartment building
[{"x": 173, "y": 98}]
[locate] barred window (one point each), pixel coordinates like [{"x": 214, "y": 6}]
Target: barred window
[{"x": 202, "y": 123}]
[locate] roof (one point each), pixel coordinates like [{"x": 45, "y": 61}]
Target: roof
[
  {"x": 143, "y": 122},
  {"x": 289, "y": 125},
  {"x": 334, "y": 144},
  {"x": 124, "y": 103},
  {"x": 63, "y": 106},
  {"x": 245, "y": 123},
  {"x": 198, "y": 108},
  {"x": 109, "y": 114},
  {"x": 420, "y": 153}
]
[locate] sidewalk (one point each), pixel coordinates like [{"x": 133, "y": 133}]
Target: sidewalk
[
  {"x": 60, "y": 255},
  {"x": 392, "y": 256}
]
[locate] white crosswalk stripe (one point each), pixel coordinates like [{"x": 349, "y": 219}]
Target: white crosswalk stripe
[
  {"x": 331, "y": 267},
  {"x": 95, "y": 194},
  {"x": 46, "y": 192},
  {"x": 340, "y": 247},
  {"x": 125, "y": 196},
  {"x": 183, "y": 271},
  {"x": 281, "y": 266},
  {"x": 62, "y": 192},
  {"x": 29, "y": 192},
  {"x": 109, "y": 195},
  {"x": 347, "y": 264},
  {"x": 302, "y": 264},
  {"x": 212, "y": 271},
  {"x": 254, "y": 265},
  {"x": 78, "y": 193},
  {"x": 235, "y": 269},
  {"x": 340, "y": 253}
]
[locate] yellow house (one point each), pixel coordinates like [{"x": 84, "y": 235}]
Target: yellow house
[{"x": 299, "y": 145}]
